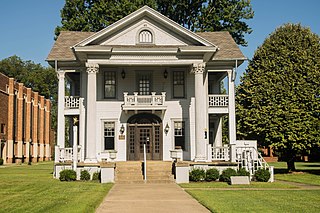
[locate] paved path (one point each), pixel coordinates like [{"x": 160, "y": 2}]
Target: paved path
[{"x": 149, "y": 198}]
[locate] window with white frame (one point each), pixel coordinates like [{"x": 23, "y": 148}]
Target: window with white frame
[
  {"x": 179, "y": 135},
  {"x": 109, "y": 130},
  {"x": 110, "y": 84},
  {"x": 178, "y": 84}
]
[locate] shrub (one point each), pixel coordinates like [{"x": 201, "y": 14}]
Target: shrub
[
  {"x": 68, "y": 175},
  {"x": 243, "y": 172},
  {"x": 197, "y": 175},
  {"x": 96, "y": 176},
  {"x": 212, "y": 174},
  {"x": 262, "y": 175},
  {"x": 1, "y": 161},
  {"x": 84, "y": 175},
  {"x": 226, "y": 174}
]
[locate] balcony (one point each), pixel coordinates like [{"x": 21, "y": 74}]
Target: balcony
[
  {"x": 218, "y": 104},
  {"x": 144, "y": 102},
  {"x": 72, "y": 105}
]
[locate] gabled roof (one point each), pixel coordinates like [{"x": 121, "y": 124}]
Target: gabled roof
[
  {"x": 62, "y": 48},
  {"x": 144, "y": 12}
]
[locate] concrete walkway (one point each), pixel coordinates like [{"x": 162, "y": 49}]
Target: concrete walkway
[{"x": 149, "y": 198}]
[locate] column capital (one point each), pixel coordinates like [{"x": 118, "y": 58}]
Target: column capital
[
  {"x": 92, "y": 68},
  {"x": 60, "y": 73},
  {"x": 198, "y": 68}
]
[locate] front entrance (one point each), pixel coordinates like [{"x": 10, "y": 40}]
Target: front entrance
[{"x": 143, "y": 129}]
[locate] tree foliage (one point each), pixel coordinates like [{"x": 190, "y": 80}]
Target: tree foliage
[
  {"x": 40, "y": 79},
  {"x": 278, "y": 100},
  {"x": 196, "y": 15}
]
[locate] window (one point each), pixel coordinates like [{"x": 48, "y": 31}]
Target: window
[
  {"x": 178, "y": 84},
  {"x": 109, "y": 135},
  {"x": 110, "y": 84},
  {"x": 144, "y": 83},
  {"x": 179, "y": 136},
  {"x": 145, "y": 36},
  {"x": 3, "y": 129}
]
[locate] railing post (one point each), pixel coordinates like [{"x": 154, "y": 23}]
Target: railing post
[
  {"x": 163, "y": 98},
  {"x": 75, "y": 147},
  {"x": 153, "y": 95},
  {"x": 233, "y": 153},
  {"x": 135, "y": 98},
  {"x": 56, "y": 154},
  {"x": 209, "y": 152},
  {"x": 125, "y": 94}
]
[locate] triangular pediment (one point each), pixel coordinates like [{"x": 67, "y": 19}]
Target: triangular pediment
[{"x": 127, "y": 32}]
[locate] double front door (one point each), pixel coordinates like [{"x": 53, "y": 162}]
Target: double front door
[{"x": 148, "y": 134}]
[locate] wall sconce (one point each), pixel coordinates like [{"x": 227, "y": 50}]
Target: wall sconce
[
  {"x": 122, "y": 129},
  {"x": 165, "y": 74},
  {"x": 123, "y": 74},
  {"x": 166, "y": 129}
]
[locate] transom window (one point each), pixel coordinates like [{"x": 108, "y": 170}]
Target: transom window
[
  {"x": 179, "y": 135},
  {"x": 145, "y": 36},
  {"x": 178, "y": 84},
  {"x": 110, "y": 84},
  {"x": 109, "y": 128}
]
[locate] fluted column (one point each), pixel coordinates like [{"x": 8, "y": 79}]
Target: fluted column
[
  {"x": 61, "y": 122},
  {"x": 92, "y": 70},
  {"x": 232, "y": 109},
  {"x": 201, "y": 111}
]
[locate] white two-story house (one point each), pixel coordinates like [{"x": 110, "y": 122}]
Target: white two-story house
[{"x": 145, "y": 80}]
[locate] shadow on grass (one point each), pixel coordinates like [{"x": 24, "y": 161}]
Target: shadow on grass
[{"x": 285, "y": 171}]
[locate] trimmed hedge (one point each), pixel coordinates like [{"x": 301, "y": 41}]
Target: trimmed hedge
[
  {"x": 68, "y": 175},
  {"x": 84, "y": 175},
  {"x": 197, "y": 175},
  {"x": 226, "y": 174},
  {"x": 1, "y": 161},
  {"x": 212, "y": 174},
  {"x": 243, "y": 172},
  {"x": 262, "y": 175},
  {"x": 96, "y": 176}
]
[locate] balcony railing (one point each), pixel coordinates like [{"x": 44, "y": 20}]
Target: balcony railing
[
  {"x": 71, "y": 102},
  {"x": 66, "y": 154},
  {"x": 221, "y": 153},
  {"x": 218, "y": 100},
  {"x": 144, "y": 100}
]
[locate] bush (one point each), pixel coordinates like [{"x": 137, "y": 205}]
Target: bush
[
  {"x": 243, "y": 172},
  {"x": 68, "y": 175},
  {"x": 96, "y": 176},
  {"x": 1, "y": 161},
  {"x": 212, "y": 174},
  {"x": 226, "y": 174},
  {"x": 197, "y": 175},
  {"x": 84, "y": 175},
  {"x": 262, "y": 175}
]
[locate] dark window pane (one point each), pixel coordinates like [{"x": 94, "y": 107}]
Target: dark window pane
[
  {"x": 109, "y": 143},
  {"x": 178, "y": 84},
  {"x": 109, "y": 84}
]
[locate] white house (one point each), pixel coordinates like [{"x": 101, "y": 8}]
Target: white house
[{"x": 145, "y": 80}]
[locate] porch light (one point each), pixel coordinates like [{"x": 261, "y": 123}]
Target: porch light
[
  {"x": 122, "y": 129},
  {"x": 123, "y": 74},
  {"x": 166, "y": 129},
  {"x": 165, "y": 74}
]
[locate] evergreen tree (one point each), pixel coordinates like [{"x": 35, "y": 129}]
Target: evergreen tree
[
  {"x": 196, "y": 15},
  {"x": 278, "y": 100}
]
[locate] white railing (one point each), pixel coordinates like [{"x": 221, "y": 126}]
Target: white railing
[
  {"x": 66, "y": 154},
  {"x": 221, "y": 153},
  {"x": 71, "y": 102},
  {"x": 218, "y": 100},
  {"x": 144, "y": 100}
]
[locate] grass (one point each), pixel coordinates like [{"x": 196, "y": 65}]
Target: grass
[
  {"x": 265, "y": 197},
  {"x": 32, "y": 188},
  {"x": 258, "y": 201}
]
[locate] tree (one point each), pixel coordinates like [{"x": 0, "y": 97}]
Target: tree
[
  {"x": 40, "y": 79},
  {"x": 278, "y": 100},
  {"x": 196, "y": 15}
]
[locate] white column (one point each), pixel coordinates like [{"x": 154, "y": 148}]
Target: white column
[
  {"x": 61, "y": 122},
  {"x": 201, "y": 115},
  {"x": 232, "y": 109},
  {"x": 92, "y": 70},
  {"x": 82, "y": 129},
  {"x": 218, "y": 132}
]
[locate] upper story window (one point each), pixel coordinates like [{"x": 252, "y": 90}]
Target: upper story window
[
  {"x": 110, "y": 84},
  {"x": 178, "y": 84},
  {"x": 145, "y": 37}
]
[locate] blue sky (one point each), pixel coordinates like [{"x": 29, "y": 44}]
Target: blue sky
[{"x": 27, "y": 27}]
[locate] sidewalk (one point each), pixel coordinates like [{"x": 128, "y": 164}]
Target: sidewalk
[{"x": 149, "y": 198}]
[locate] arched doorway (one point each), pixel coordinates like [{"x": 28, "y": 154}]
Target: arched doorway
[{"x": 144, "y": 128}]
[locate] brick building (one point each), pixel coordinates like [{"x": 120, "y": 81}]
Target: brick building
[{"x": 25, "y": 131}]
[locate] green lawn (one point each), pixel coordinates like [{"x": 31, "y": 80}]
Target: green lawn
[
  {"x": 27, "y": 188},
  {"x": 258, "y": 201},
  {"x": 262, "y": 199}
]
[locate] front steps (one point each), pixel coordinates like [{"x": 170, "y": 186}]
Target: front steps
[{"x": 132, "y": 172}]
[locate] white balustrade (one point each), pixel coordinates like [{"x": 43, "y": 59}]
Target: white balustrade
[
  {"x": 71, "y": 102},
  {"x": 66, "y": 154},
  {"x": 144, "y": 100},
  {"x": 218, "y": 100},
  {"x": 221, "y": 153}
]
